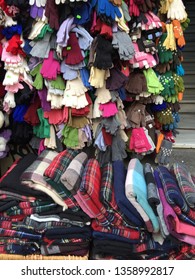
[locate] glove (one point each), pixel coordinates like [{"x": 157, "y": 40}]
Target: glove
[
  {"x": 14, "y": 46},
  {"x": 84, "y": 74},
  {"x": 98, "y": 76},
  {"x": 39, "y": 3},
  {"x": 165, "y": 117},
  {"x": 116, "y": 80},
  {"x": 52, "y": 13},
  {"x": 169, "y": 42},
  {"x": 162, "y": 68},
  {"x": 82, "y": 13},
  {"x": 58, "y": 83},
  {"x": 50, "y": 67},
  {"x": 11, "y": 78},
  {"x": 68, "y": 73},
  {"x": 136, "y": 83},
  {"x": 125, "y": 11},
  {"x": 72, "y": 52},
  {"x": 164, "y": 54},
  {"x": 118, "y": 148},
  {"x": 84, "y": 38},
  {"x": 121, "y": 22},
  {"x": 111, "y": 125},
  {"x": 153, "y": 84},
  {"x": 103, "y": 57},
  {"x": 41, "y": 48},
  {"x": 185, "y": 24},
  {"x": 10, "y": 31},
  {"x": 146, "y": 45},
  {"x": 42, "y": 130},
  {"x": 133, "y": 9},
  {"x": 38, "y": 81},
  {"x": 163, "y": 157},
  {"x": 36, "y": 12},
  {"x": 75, "y": 87},
  {"x": 168, "y": 83},
  {"x": 177, "y": 11},
  {"x": 103, "y": 95},
  {"x": 178, "y": 33},
  {"x": 105, "y": 7},
  {"x": 116, "y": 2},
  {"x": 122, "y": 42},
  {"x": 46, "y": 28},
  {"x": 9, "y": 100},
  {"x": 63, "y": 32},
  {"x": 179, "y": 83}
]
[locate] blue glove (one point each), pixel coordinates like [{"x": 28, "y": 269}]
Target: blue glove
[
  {"x": 122, "y": 93},
  {"x": 85, "y": 77},
  {"x": 82, "y": 14},
  {"x": 180, "y": 71},
  {"x": 19, "y": 112},
  {"x": 10, "y": 31},
  {"x": 107, "y": 8}
]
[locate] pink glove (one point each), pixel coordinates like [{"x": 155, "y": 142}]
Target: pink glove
[
  {"x": 108, "y": 109},
  {"x": 133, "y": 9},
  {"x": 50, "y": 67},
  {"x": 9, "y": 57},
  {"x": 14, "y": 88}
]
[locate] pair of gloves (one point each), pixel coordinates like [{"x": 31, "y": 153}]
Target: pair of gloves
[{"x": 154, "y": 86}]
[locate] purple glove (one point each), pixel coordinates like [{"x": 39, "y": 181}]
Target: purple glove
[
  {"x": 36, "y": 12},
  {"x": 63, "y": 32},
  {"x": 46, "y": 105}
]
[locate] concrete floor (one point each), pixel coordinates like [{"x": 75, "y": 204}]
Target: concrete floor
[{"x": 186, "y": 156}]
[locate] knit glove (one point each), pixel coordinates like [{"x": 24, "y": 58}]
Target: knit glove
[
  {"x": 121, "y": 22},
  {"x": 163, "y": 157},
  {"x": 82, "y": 13},
  {"x": 146, "y": 45},
  {"x": 177, "y": 10},
  {"x": 153, "y": 84},
  {"x": 125, "y": 10},
  {"x": 10, "y": 78},
  {"x": 111, "y": 124},
  {"x": 179, "y": 83},
  {"x": 185, "y": 24},
  {"x": 38, "y": 80},
  {"x": 105, "y": 7},
  {"x": 41, "y": 48},
  {"x": 75, "y": 87},
  {"x": 103, "y": 95},
  {"x": 14, "y": 45},
  {"x": 122, "y": 42},
  {"x": 136, "y": 83},
  {"x": 39, "y": 3},
  {"x": 164, "y": 54},
  {"x": 118, "y": 148},
  {"x": 170, "y": 43},
  {"x": 178, "y": 33},
  {"x": 116, "y": 2},
  {"x": 42, "y": 130},
  {"x": 164, "y": 6},
  {"x": 97, "y": 77},
  {"x": 9, "y": 101},
  {"x": 84, "y": 38},
  {"x": 72, "y": 52},
  {"x": 165, "y": 116},
  {"x": 168, "y": 83},
  {"x": 52, "y": 13},
  {"x": 58, "y": 83},
  {"x": 103, "y": 57},
  {"x": 50, "y": 67}
]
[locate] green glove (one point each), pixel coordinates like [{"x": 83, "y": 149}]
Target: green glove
[
  {"x": 70, "y": 136},
  {"x": 172, "y": 99},
  {"x": 164, "y": 54},
  {"x": 46, "y": 28},
  {"x": 153, "y": 84},
  {"x": 167, "y": 81},
  {"x": 59, "y": 83},
  {"x": 42, "y": 130},
  {"x": 185, "y": 24},
  {"x": 38, "y": 81},
  {"x": 179, "y": 83},
  {"x": 165, "y": 116}
]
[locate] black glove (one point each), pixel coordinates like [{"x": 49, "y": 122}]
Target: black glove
[{"x": 103, "y": 58}]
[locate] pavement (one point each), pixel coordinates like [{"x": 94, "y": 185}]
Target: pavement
[{"x": 186, "y": 156}]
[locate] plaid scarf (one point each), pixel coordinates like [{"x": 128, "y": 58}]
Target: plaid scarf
[
  {"x": 71, "y": 178},
  {"x": 59, "y": 164},
  {"x": 19, "y": 234},
  {"x": 33, "y": 176},
  {"x": 107, "y": 197},
  {"x": 15, "y": 196},
  {"x": 21, "y": 249},
  {"x": 89, "y": 192},
  {"x": 174, "y": 196},
  {"x": 185, "y": 183}
]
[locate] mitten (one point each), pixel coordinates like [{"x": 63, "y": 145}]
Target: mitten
[{"x": 163, "y": 157}]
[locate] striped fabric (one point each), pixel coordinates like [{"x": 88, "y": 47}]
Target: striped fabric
[{"x": 185, "y": 183}]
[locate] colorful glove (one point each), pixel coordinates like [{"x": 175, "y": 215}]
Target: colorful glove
[
  {"x": 164, "y": 54},
  {"x": 178, "y": 33}
]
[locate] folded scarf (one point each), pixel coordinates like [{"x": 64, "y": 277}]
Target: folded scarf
[
  {"x": 185, "y": 183},
  {"x": 136, "y": 192},
  {"x": 180, "y": 230},
  {"x": 59, "y": 164},
  {"x": 174, "y": 196},
  {"x": 33, "y": 177},
  {"x": 72, "y": 176},
  {"x": 123, "y": 203}
]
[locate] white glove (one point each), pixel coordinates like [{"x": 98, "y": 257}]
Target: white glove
[
  {"x": 158, "y": 99},
  {"x": 103, "y": 95},
  {"x": 75, "y": 87},
  {"x": 36, "y": 29},
  {"x": 9, "y": 100},
  {"x": 177, "y": 11},
  {"x": 11, "y": 78},
  {"x": 39, "y": 3}
]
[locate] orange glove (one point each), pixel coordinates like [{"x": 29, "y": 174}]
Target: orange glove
[{"x": 178, "y": 32}]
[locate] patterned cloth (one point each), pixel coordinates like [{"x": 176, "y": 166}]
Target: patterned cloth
[
  {"x": 59, "y": 164},
  {"x": 33, "y": 176},
  {"x": 174, "y": 196},
  {"x": 136, "y": 192},
  {"x": 185, "y": 183},
  {"x": 72, "y": 176}
]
